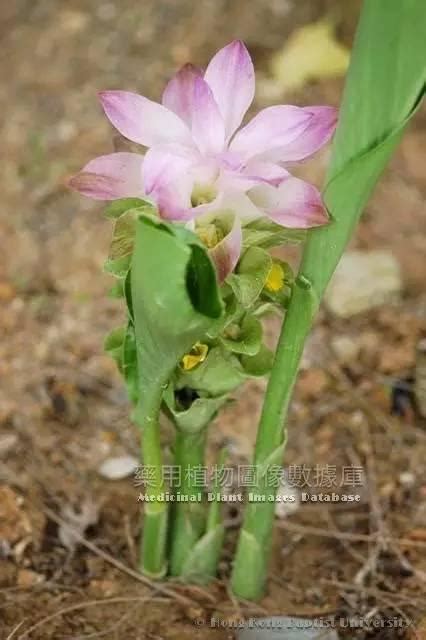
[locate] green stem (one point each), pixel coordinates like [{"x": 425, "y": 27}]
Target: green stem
[
  {"x": 188, "y": 516},
  {"x": 251, "y": 561},
  {"x": 377, "y": 104},
  {"x": 202, "y": 558},
  {"x": 154, "y": 533},
  {"x": 215, "y": 529},
  {"x": 376, "y": 107},
  {"x": 214, "y": 517}
]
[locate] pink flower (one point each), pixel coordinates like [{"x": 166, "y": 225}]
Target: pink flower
[{"x": 199, "y": 160}]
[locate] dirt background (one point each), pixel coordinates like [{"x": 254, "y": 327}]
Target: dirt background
[{"x": 63, "y": 409}]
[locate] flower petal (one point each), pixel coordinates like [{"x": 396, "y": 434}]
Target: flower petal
[
  {"x": 271, "y": 131},
  {"x": 170, "y": 173},
  {"x": 252, "y": 175},
  {"x": 178, "y": 95},
  {"x": 261, "y": 172},
  {"x": 230, "y": 75},
  {"x": 318, "y": 132},
  {"x": 226, "y": 253},
  {"x": 117, "y": 175},
  {"x": 240, "y": 204},
  {"x": 163, "y": 163},
  {"x": 295, "y": 204},
  {"x": 142, "y": 120},
  {"x": 174, "y": 202},
  {"x": 174, "y": 199},
  {"x": 208, "y": 130},
  {"x": 169, "y": 181}
]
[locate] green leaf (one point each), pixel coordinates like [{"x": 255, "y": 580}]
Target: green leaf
[
  {"x": 201, "y": 564},
  {"x": 248, "y": 281},
  {"x": 123, "y": 236},
  {"x": 258, "y": 365},
  {"x": 246, "y": 338},
  {"x": 118, "y": 207},
  {"x": 121, "y": 248},
  {"x": 117, "y": 290},
  {"x": 119, "y": 267},
  {"x": 174, "y": 295},
  {"x": 130, "y": 364},
  {"x": 120, "y": 344},
  {"x": 266, "y": 308},
  {"x": 385, "y": 82},
  {"x": 113, "y": 345},
  {"x": 232, "y": 312},
  {"x": 198, "y": 415},
  {"x": 379, "y": 98},
  {"x": 220, "y": 373},
  {"x": 266, "y": 234}
]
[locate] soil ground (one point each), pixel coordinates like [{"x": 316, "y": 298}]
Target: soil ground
[{"x": 63, "y": 409}]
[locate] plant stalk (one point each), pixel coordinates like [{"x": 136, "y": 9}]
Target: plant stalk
[
  {"x": 251, "y": 561},
  {"x": 188, "y": 516},
  {"x": 154, "y": 533},
  {"x": 215, "y": 529},
  {"x": 378, "y": 101}
]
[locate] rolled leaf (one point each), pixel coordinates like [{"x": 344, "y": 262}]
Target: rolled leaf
[
  {"x": 174, "y": 297},
  {"x": 385, "y": 84}
]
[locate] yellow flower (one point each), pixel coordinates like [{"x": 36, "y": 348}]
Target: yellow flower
[
  {"x": 196, "y": 356},
  {"x": 275, "y": 280},
  {"x": 210, "y": 235}
]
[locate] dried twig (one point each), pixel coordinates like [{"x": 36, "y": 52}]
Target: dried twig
[
  {"x": 380, "y": 595},
  {"x": 107, "y": 632},
  {"x": 345, "y": 535},
  {"x": 15, "y": 629},
  {"x": 116, "y": 563},
  {"x": 130, "y": 541},
  {"x": 82, "y": 605}
]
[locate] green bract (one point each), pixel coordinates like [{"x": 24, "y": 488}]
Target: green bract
[
  {"x": 267, "y": 234},
  {"x": 250, "y": 276}
]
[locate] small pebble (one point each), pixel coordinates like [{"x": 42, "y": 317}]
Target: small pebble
[
  {"x": 27, "y": 578},
  {"x": 346, "y": 348},
  {"x": 363, "y": 280},
  {"x": 290, "y": 501},
  {"x": 7, "y": 443},
  {"x": 407, "y": 479},
  {"x": 118, "y": 468},
  {"x": 312, "y": 383}
]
